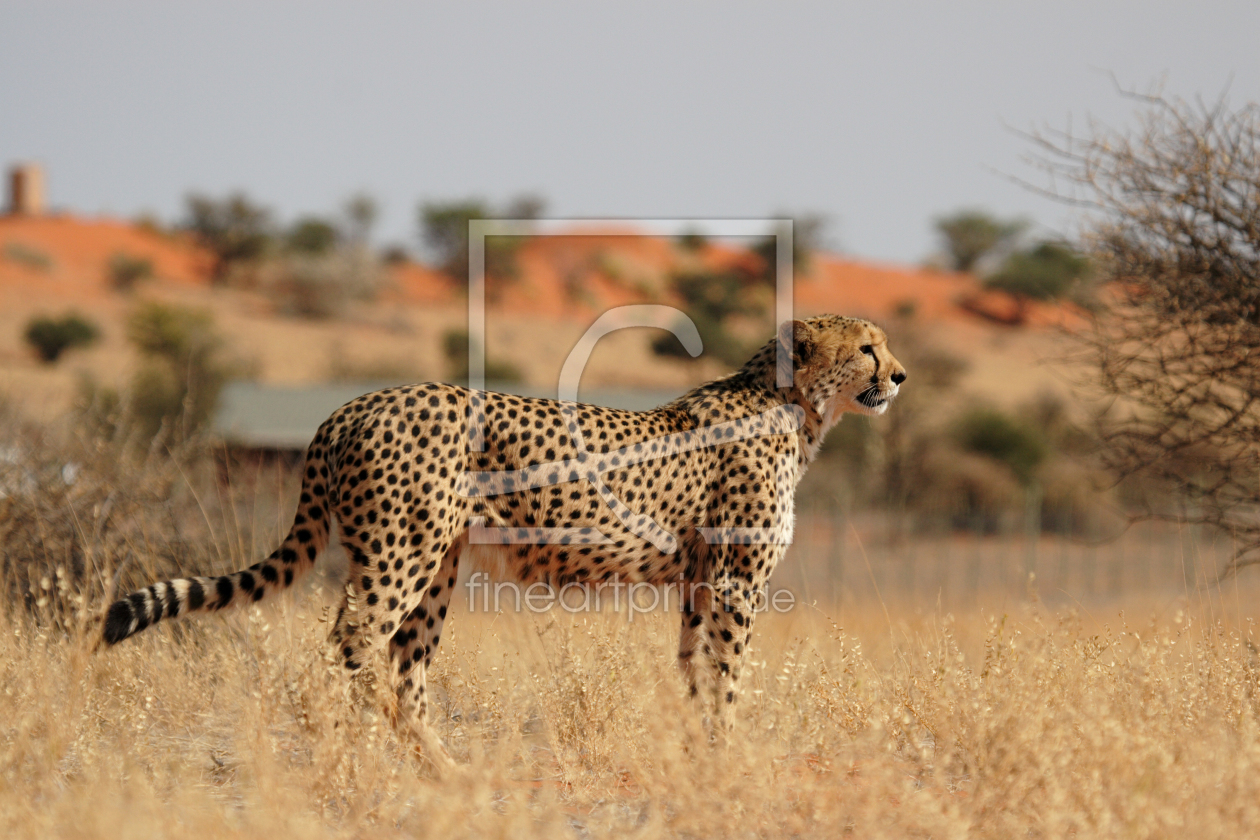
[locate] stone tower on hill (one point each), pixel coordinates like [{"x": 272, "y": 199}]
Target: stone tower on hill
[{"x": 26, "y": 190}]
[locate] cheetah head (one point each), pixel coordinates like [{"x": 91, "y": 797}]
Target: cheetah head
[{"x": 841, "y": 365}]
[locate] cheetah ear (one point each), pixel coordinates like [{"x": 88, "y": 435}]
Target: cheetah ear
[{"x": 800, "y": 341}]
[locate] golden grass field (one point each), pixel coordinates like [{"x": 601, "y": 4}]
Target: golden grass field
[
  {"x": 1130, "y": 720},
  {"x": 918, "y": 689}
]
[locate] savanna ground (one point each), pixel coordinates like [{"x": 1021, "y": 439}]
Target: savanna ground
[
  {"x": 1020, "y": 723},
  {"x": 996, "y": 710}
]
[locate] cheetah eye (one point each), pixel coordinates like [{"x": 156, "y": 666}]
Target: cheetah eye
[{"x": 867, "y": 349}]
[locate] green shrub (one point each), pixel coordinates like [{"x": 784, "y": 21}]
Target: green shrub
[
  {"x": 1018, "y": 445},
  {"x": 50, "y": 337},
  {"x": 718, "y": 343},
  {"x": 455, "y": 348},
  {"x": 28, "y": 256},
  {"x": 178, "y": 384},
  {"x": 710, "y": 298},
  {"x": 125, "y": 271},
  {"x": 1046, "y": 271},
  {"x": 395, "y": 255}
]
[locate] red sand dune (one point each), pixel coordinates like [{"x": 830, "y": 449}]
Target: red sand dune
[
  {"x": 556, "y": 276},
  {"x": 872, "y": 290},
  {"x": 413, "y": 283},
  {"x": 566, "y": 275},
  {"x": 78, "y": 253}
]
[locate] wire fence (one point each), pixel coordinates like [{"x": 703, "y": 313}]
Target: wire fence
[{"x": 843, "y": 560}]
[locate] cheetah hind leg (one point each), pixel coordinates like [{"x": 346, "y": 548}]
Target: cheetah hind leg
[
  {"x": 353, "y": 644},
  {"x": 354, "y": 639},
  {"x": 412, "y": 649}
]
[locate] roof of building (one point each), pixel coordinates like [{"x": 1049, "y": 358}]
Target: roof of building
[{"x": 259, "y": 416}]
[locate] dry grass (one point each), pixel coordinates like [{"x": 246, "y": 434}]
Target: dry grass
[
  {"x": 987, "y": 721},
  {"x": 1024, "y": 724}
]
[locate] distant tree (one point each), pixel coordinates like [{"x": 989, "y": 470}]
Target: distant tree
[
  {"x": 692, "y": 239},
  {"x": 808, "y": 234},
  {"x": 323, "y": 285},
  {"x": 1175, "y": 228},
  {"x": 395, "y": 255},
  {"x": 311, "y": 235},
  {"x": 51, "y": 337},
  {"x": 361, "y": 212},
  {"x": 969, "y": 236},
  {"x": 444, "y": 228},
  {"x": 710, "y": 299},
  {"x": 528, "y": 207},
  {"x": 234, "y": 229},
  {"x": 1046, "y": 271},
  {"x": 150, "y": 222}
]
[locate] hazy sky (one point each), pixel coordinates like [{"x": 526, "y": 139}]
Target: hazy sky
[{"x": 878, "y": 115}]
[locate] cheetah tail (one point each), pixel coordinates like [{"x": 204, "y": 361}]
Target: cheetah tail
[{"x": 174, "y": 598}]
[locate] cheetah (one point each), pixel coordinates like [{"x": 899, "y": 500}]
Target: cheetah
[{"x": 699, "y": 491}]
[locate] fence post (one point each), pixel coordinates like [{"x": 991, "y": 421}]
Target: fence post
[{"x": 1032, "y": 528}]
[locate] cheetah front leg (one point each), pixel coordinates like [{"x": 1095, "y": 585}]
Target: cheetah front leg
[
  {"x": 728, "y": 626},
  {"x": 695, "y": 656},
  {"x": 716, "y": 627},
  {"x": 717, "y": 631}
]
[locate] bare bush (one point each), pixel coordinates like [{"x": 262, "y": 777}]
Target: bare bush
[
  {"x": 324, "y": 285},
  {"x": 88, "y": 512},
  {"x": 1174, "y": 209}
]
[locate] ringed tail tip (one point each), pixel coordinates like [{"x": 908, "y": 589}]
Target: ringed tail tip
[{"x": 120, "y": 622}]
